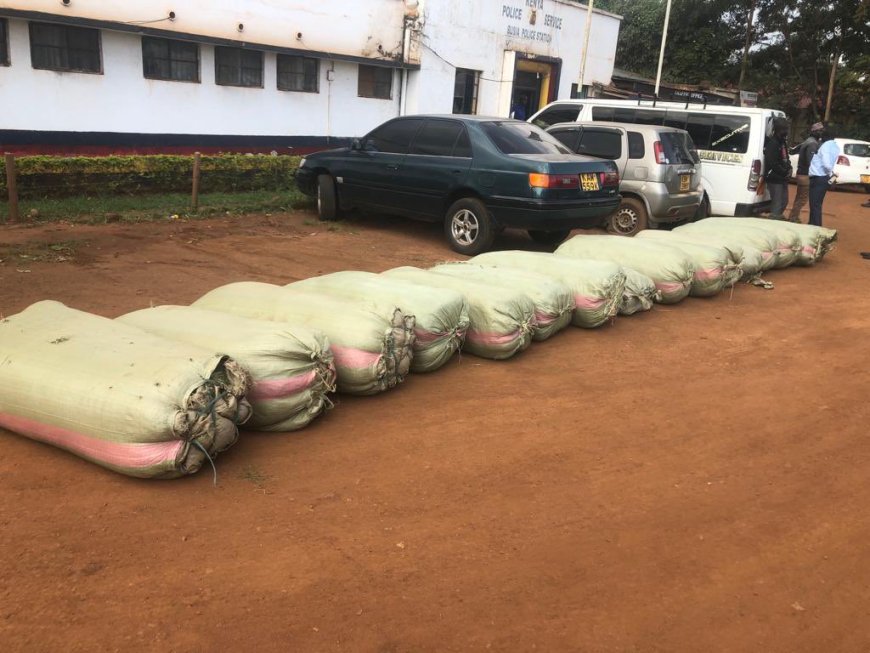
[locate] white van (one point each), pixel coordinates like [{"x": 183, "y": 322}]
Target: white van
[{"x": 730, "y": 142}]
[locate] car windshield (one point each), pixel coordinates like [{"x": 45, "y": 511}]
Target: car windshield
[
  {"x": 514, "y": 137},
  {"x": 857, "y": 149},
  {"x": 679, "y": 148}
]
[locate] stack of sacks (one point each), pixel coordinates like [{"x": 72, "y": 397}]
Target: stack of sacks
[
  {"x": 788, "y": 243},
  {"x": 291, "y": 367},
  {"x": 597, "y": 286},
  {"x": 115, "y": 395},
  {"x": 715, "y": 267},
  {"x": 764, "y": 241},
  {"x": 441, "y": 314},
  {"x": 671, "y": 270},
  {"x": 501, "y": 321},
  {"x": 553, "y": 300},
  {"x": 750, "y": 259},
  {"x": 371, "y": 341},
  {"x": 814, "y": 242},
  {"x": 640, "y": 293}
]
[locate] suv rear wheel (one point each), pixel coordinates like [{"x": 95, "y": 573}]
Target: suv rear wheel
[
  {"x": 629, "y": 218},
  {"x": 468, "y": 227}
]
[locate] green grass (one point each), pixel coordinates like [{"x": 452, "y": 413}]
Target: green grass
[{"x": 143, "y": 208}]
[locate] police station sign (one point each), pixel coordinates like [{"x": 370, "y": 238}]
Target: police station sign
[{"x": 528, "y": 19}]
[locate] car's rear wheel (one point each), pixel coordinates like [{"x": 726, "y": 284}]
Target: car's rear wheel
[
  {"x": 629, "y": 218},
  {"x": 468, "y": 227},
  {"x": 549, "y": 238},
  {"x": 327, "y": 200}
]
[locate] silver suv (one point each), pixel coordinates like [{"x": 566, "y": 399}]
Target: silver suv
[{"x": 659, "y": 170}]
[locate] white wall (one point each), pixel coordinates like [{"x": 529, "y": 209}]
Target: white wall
[{"x": 122, "y": 100}]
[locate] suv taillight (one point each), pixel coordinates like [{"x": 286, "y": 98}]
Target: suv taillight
[
  {"x": 754, "y": 175},
  {"x": 609, "y": 178},
  {"x": 660, "y": 153},
  {"x": 842, "y": 161}
]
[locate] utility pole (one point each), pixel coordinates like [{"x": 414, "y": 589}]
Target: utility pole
[
  {"x": 831, "y": 85},
  {"x": 586, "y": 43},
  {"x": 747, "y": 44},
  {"x": 662, "y": 50}
]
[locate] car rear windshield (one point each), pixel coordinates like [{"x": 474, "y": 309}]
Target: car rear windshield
[
  {"x": 522, "y": 138},
  {"x": 679, "y": 148},
  {"x": 856, "y": 149}
]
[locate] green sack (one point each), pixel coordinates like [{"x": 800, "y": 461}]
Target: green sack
[
  {"x": 113, "y": 394},
  {"x": 812, "y": 242},
  {"x": 291, "y": 367},
  {"x": 371, "y": 340},
  {"x": 671, "y": 270},
  {"x": 640, "y": 293},
  {"x": 501, "y": 321},
  {"x": 597, "y": 286},
  {"x": 749, "y": 258},
  {"x": 441, "y": 314},
  {"x": 764, "y": 241}
]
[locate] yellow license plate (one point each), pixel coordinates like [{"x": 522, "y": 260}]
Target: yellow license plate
[
  {"x": 865, "y": 179},
  {"x": 685, "y": 181},
  {"x": 589, "y": 182}
]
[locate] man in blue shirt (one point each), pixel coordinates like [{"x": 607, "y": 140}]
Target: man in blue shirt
[{"x": 822, "y": 174}]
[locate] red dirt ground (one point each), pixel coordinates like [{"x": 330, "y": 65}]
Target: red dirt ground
[{"x": 690, "y": 479}]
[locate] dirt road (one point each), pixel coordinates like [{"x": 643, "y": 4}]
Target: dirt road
[{"x": 690, "y": 479}]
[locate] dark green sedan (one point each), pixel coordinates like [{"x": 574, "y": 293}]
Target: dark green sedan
[{"x": 478, "y": 175}]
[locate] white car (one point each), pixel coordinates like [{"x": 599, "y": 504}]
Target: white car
[{"x": 853, "y": 164}]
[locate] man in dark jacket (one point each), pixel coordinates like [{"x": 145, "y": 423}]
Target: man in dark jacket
[
  {"x": 805, "y": 152},
  {"x": 778, "y": 167}
]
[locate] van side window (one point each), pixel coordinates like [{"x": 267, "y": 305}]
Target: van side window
[
  {"x": 602, "y": 113},
  {"x": 648, "y": 117},
  {"x": 636, "y": 149},
  {"x": 730, "y": 134},
  {"x": 558, "y": 114},
  {"x": 600, "y": 143},
  {"x": 676, "y": 119},
  {"x": 623, "y": 114},
  {"x": 699, "y": 126}
]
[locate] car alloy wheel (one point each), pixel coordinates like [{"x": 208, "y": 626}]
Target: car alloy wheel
[
  {"x": 625, "y": 220},
  {"x": 465, "y": 227}
]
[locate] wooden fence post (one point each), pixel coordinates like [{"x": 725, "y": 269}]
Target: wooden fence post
[
  {"x": 194, "y": 200},
  {"x": 12, "y": 187}
]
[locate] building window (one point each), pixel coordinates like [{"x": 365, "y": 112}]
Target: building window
[
  {"x": 298, "y": 73},
  {"x": 65, "y": 48},
  {"x": 170, "y": 60},
  {"x": 375, "y": 81},
  {"x": 465, "y": 91},
  {"x": 238, "y": 67},
  {"x": 4, "y": 43}
]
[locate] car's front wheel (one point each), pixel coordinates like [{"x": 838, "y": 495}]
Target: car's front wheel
[
  {"x": 327, "y": 200},
  {"x": 549, "y": 238},
  {"x": 468, "y": 227},
  {"x": 629, "y": 218}
]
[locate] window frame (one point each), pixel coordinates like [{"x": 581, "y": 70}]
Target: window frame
[
  {"x": 5, "y": 56},
  {"x": 475, "y": 90},
  {"x": 593, "y": 131},
  {"x": 285, "y": 57},
  {"x": 241, "y": 52},
  {"x": 67, "y": 29},
  {"x": 633, "y": 139},
  {"x": 449, "y": 149},
  {"x": 405, "y": 121},
  {"x": 170, "y": 42},
  {"x": 359, "y": 89}
]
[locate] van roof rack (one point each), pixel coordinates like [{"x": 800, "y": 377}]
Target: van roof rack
[{"x": 656, "y": 99}]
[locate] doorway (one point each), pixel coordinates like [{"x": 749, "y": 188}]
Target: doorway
[{"x": 535, "y": 85}]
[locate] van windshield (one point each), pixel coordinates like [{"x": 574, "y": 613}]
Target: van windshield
[
  {"x": 679, "y": 148},
  {"x": 514, "y": 137}
]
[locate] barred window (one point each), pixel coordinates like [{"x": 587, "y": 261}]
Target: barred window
[
  {"x": 65, "y": 48},
  {"x": 375, "y": 82},
  {"x": 298, "y": 74},
  {"x": 238, "y": 67},
  {"x": 465, "y": 91},
  {"x": 4, "y": 43},
  {"x": 170, "y": 60}
]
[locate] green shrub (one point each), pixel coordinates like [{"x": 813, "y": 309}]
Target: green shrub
[{"x": 44, "y": 177}]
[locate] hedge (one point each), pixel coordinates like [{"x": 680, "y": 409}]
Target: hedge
[{"x": 46, "y": 177}]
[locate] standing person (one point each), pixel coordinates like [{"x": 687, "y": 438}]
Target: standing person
[
  {"x": 778, "y": 167},
  {"x": 806, "y": 152},
  {"x": 822, "y": 174}
]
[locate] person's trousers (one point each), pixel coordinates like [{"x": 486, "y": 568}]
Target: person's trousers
[
  {"x": 818, "y": 188},
  {"x": 800, "y": 198},
  {"x": 778, "y": 197}
]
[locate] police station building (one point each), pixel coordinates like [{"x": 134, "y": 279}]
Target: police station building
[{"x": 100, "y": 76}]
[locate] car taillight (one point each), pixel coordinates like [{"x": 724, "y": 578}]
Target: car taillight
[
  {"x": 754, "y": 175},
  {"x": 540, "y": 180},
  {"x": 609, "y": 178},
  {"x": 660, "y": 153},
  {"x": 842, "y": 161}
]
